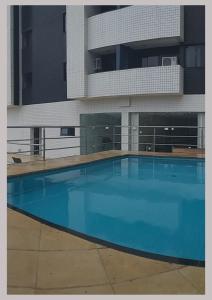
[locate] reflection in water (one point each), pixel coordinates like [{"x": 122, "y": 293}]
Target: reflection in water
[{"x": 146, "y": 203}]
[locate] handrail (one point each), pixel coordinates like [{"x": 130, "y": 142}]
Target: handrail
[
  {"x": 96, "y": 126},
  {"x": 153, "y": 136}
]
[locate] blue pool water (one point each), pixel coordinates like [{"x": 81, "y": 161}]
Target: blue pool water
[{"x": 145, "y": 203}]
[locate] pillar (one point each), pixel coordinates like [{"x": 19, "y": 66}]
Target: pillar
[
  {"x": 125, "y": 131},
  {"x": 201, "y": 130},
  {"x": 134, "y": 130}
]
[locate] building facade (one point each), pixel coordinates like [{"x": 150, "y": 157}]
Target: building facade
[{"x": 109, "y": 68}]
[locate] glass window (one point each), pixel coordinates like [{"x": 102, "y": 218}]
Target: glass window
[
  {"x": 150, "y": 61},
  {"x": 64, "y": 71},
  {"x": 194, "y": 56},
  {"x": 153, "y": 61},
  {"x": 144, "y": 62},
  {"x": 64, "y": 22},
  {"x": 67, "y": 131},
  {"x": 27, "y": 39},
  {"x": 27, "y": 80}
]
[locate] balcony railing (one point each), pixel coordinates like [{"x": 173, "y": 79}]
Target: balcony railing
[
  {"x": 143, "y": 23},
  {"x": 139, "y": 81}
]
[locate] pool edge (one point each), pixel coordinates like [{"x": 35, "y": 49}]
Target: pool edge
[
  {"x": 159, "y": 257},
  {"x": 101, "y": 159}
]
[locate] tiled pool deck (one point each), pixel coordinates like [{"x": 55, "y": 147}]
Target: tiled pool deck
[{"x": 44, "y": 260}]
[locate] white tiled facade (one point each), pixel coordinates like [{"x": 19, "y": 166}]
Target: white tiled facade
[
  {"x": 138, "y": 81},
  {"x": 135, "y": 23},
  {"x": 76, "y": 45}
]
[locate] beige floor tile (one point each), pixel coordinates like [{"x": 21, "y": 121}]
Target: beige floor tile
[
  {"x": 20, "y": 291},
  {"x": 23, "y": 238},
  {"x": 70, "y": 269},
  {"x": 196, "y": 275},
  {"x": 122, "y": 266},
  {"x": 21, "y": 268},
  {"x": 53, "y": 239},
  {"x": 98, "y": 246},
  {"x": 20, "y": 220},
  {"x": 91, "y": 290},
  {"x": 165, "y": 283}
]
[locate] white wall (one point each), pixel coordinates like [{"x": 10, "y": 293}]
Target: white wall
[
  {"x": 53, "y": 114},
  {"x": 185, "y": 103},
  {"x": 67, "y": 113}
]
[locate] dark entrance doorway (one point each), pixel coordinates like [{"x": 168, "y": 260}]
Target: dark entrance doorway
[{"x": 36, "y": 133}]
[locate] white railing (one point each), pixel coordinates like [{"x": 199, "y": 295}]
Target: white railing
[{"x": 98, "y": 138}]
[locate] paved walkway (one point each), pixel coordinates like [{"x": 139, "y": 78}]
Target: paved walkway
[{"x": 44, "y": 260}]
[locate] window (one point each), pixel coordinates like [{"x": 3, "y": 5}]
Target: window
[
  {"x": 27, "y": 80},
  {"x": 106, "y": 8},
  {"x": 67, "y": 131},
  {"x": 64, "y": 22},
  {"x": 64, "y": 71},
  {"x": 26, "y": 18},
  {"x": 150, "y": 61},
  {"x": 194, "y": 56},
  {"x": 26, "y": 39}
]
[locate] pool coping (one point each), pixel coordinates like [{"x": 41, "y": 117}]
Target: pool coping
[
  {"x": 170, "y": 259},
  {"x": 103, "y": 159}
]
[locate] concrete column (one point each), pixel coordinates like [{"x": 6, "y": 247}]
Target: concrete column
[
  {"x": 201, "y": 130},
  {"x": 134, "y": 122},
  {"x": 125, "y": 131},
  {"x": 76, "y": 51}
]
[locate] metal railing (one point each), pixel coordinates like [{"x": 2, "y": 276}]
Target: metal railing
[{"x": 94, "y": 138}]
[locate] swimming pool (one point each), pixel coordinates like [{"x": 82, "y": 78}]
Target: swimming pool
[{"x": 145, "y": 205}]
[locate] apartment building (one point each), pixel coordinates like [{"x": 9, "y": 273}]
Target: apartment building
[{"x": 100, "y": 72}]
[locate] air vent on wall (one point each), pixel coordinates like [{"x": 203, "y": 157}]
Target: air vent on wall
[{"x": 169, "y": 61}]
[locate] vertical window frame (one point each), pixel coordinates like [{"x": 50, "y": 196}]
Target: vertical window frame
[
  {"x": 64, "y": 22},
  {"x": 64, "y": 71},
  {"x": 197, "y": 61}
]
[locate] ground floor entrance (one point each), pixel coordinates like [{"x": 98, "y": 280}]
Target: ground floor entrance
[{"x": 100, "y": 132}]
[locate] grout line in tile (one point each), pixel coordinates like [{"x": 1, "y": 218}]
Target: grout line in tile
[
  {"x": 74, "y": 287},
  {"x": 144, "y": 277},
  {"x": 190, "y": 281},
  {"x": 37, "y": 266},
  {"x": 52, "y": 251},
  {"x": 103, "y": 265}
]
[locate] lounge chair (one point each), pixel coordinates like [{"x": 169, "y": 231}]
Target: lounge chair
[{"x": 16, "y": 160}]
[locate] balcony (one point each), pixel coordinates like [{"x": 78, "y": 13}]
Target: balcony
[
  {"x": 145, "y": 25},
  {"x": 160, "y": 80}
]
